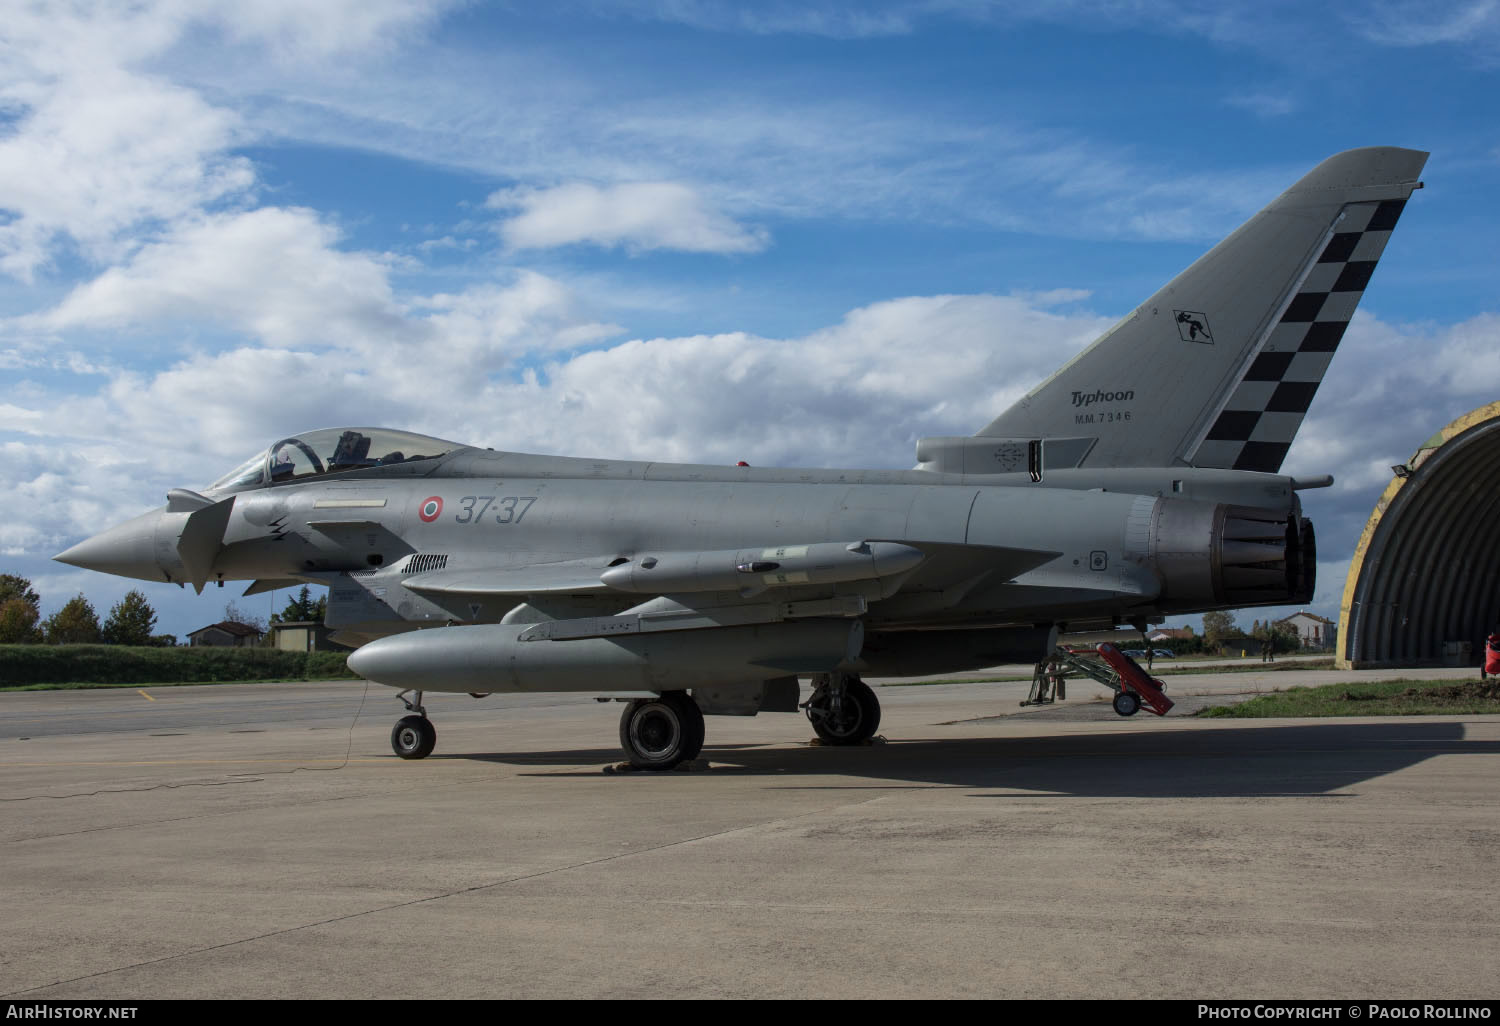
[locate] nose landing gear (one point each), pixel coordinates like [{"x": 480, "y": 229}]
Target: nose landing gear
[{"x": 413, "y": 737}]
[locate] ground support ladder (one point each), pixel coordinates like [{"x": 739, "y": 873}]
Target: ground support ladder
[{"x": 1107, "y": 665}]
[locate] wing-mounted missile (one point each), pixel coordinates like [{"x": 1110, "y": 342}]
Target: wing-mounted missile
[
  {"x": 751, "y": 571},
  {"x": 574, "y": 577},
  {"x": 668, "y": 614}
]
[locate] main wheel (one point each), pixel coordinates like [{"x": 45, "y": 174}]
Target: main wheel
[
  {"x": 857, "y": 719},
  {"x": 1127, "y": 703},
  {"x": 660, "y": 733},
  {"x": 413, "y": 737}
]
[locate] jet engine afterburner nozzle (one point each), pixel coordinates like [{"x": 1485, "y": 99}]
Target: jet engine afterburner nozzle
[{"x": 1228, "y": 556}]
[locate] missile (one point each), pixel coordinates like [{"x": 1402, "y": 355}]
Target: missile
[
  {"x": 755, "y": 570},
  {"x": 492, "y": 658}
]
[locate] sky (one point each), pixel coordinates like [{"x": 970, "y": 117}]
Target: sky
[{"x": 689, "y": 230}]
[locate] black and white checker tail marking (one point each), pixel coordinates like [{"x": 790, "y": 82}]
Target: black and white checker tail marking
[{"x": 1256, "y": 427}]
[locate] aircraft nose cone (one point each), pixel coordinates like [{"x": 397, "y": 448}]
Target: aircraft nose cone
[{"x": 126, "y": 550}]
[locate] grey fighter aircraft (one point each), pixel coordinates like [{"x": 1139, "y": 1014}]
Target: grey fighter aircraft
[{"x": 1140, "y": 480}]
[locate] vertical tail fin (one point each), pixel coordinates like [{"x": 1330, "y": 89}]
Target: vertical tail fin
[{"x": 1218, "y": 368}]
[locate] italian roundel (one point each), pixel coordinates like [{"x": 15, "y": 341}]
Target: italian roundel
[{"x": 432, "y": 508}]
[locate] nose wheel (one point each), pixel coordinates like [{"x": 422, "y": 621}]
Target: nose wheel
[{"x": 413, "y": 737}]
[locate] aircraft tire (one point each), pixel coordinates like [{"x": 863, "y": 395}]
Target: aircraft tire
[
  {"x": 859, "y": 721},
  {"x": 1127, "y": 703},
  {"x": 660, "y": 733},
  {"x": 413, "y": 737}
]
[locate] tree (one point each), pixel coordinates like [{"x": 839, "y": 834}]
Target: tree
[
  {"x": 1217, "y": 626},
  {"x": 130, "y": 621},
  {"x": 302, "y": 609},
  {"x": 1284, "y": 637},
  {"x": 13, "y": 587},
  {"x": 233, "y": 614},
  {"x": 74, "y": 624},
  {"x": 18, "y": 623}
]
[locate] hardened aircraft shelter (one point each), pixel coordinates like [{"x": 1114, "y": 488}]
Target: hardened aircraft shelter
[{"x": 1424, "y": 584}]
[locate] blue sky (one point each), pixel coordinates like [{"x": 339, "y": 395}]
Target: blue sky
[{"x": 218, "y": 227}]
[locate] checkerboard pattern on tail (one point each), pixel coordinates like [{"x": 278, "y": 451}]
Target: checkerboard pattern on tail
[{"x": 1261, "y": 417}]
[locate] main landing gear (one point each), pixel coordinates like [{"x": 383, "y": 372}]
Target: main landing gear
[
  {"x": 664, "y": 732},
  {"x": 413, "y": 737},
  {"x": 660, "y": 733},
  {"x": 843, "y": 710}
]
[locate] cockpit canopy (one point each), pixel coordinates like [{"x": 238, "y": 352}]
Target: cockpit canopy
[{"x": 331, "y": 451}]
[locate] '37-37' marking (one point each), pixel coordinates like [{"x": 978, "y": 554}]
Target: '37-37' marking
[{"x": 508, "y": 509}]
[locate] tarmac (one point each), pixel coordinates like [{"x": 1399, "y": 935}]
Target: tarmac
[{"x": 261, "y": 841}]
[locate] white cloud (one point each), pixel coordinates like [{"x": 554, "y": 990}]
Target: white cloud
[
  {"x": 1390, "y": 388},
  {"x": 104, "y": 152},
  {"x": 103, "y": 156},
  {"x": 637, "y": 216},
  {"x": 1429, "y": 22},
  {"x": 296, "y": 29},
  {"x": 774, "y": 17},
  {"x": 772, "y": 152},
  {"x": 532, "y": 314},
  {"x": 855, "y": 394},
  {"x": 272, "y": 272},
  {"x": 275, "y": 275}
]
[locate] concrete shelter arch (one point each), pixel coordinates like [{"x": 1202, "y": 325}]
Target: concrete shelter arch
[{"x": 1426, "y": 571}]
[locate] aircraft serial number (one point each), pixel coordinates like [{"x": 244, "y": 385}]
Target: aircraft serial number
[
  {"x": 509, "y": 509},
  {"x": 1102, "y": 417}
]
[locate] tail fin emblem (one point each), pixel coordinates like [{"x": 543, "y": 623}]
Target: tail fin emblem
[{"x": 1193, "y": 326}]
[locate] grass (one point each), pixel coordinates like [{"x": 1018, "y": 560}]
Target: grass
[
  {"x": 84, "y": 685},
  {"x": 1160, "y": 671},
  {"x": 42, "y": 667},
  {"x": 1405, "y": 697},
  {"x": 1251, "y": 667}
]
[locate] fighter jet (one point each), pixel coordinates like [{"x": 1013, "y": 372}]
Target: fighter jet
[{"x": 1141, "y": 480}]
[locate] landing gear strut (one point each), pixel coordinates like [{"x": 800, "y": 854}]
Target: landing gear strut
[
  {"x": 413, "y": 737},
  {"x": 660, "y": 733},
  {"x": 843, "y": 710}
]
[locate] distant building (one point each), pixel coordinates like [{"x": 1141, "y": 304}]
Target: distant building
[
  {"x": 1171, "y": 634},
  {"x": 1314, "y": 630},
  {"x": 1126, "y": 638},
  {"x": 226, "y": 635},
  {"x": 303, "y": 636}
]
